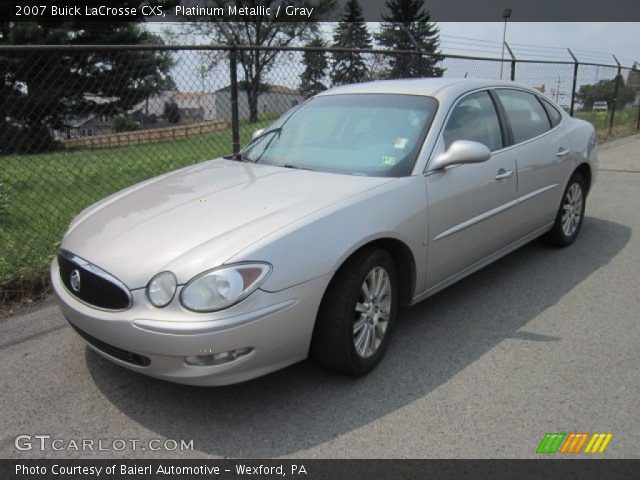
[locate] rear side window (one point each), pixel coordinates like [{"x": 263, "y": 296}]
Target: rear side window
[
  {"x": 525, "y": 114},
  {"x": 554, "y": 115},
  {"x": 474, "y": 118}
]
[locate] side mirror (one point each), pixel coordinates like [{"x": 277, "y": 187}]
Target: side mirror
[
  {"x": 461, "y": 152},
  {"x": 257, "y": 133}
]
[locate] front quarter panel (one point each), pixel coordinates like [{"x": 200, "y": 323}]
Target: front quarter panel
[{"x": 319, "y": 243}]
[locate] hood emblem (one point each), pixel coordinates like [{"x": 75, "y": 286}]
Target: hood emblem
[{"x": 75, "y": 281}]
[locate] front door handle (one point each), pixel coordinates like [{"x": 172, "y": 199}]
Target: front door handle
[
  {"x": 563, "y": 152},
  {"x": 503, "y": 174}
]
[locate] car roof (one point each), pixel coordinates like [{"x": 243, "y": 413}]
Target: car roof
[{"x": 431, "y": 87}]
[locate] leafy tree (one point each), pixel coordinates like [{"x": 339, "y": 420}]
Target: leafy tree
[
  {"x": 316, "y": 64},
  {"x": 122, "y": 123},
  {"x": 3, "y": 203},
  {"x": 604, "y": 91},
  {"x": 408, "y": 27},
  {"x": 258, "y": 30},
  {"x": 171, "y": 112},
  {"x": 40, "y": 90},
  {"x": 351, "y": 32}
]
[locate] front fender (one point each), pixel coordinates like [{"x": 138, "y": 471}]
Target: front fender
[{"x": 318, "y": 244}]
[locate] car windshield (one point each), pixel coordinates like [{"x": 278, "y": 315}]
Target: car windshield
[{"x": 356, "y": 134}]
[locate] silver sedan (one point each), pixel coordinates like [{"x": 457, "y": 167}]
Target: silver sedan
[{"x": 364, "y": 199}]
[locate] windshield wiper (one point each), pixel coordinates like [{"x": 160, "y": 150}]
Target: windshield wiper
[
  {"x": 239, "y": 157},
  {"x": 277, "y": 130},
  {"x": 288, "y": 165}
]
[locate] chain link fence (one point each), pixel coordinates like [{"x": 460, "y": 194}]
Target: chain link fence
[{"x": 80, "y": 123}]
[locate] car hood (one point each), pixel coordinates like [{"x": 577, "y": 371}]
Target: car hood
[{"x": 196, "y": 218}]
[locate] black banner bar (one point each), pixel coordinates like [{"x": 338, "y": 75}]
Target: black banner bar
[
  {"x": 312, "y": 10},
  {"x": 319, "y": 469}
]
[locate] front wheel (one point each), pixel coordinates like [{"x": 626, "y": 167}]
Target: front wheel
[
  {"x": 357, "y": 314},
  {"x": 570, "y": 214}
]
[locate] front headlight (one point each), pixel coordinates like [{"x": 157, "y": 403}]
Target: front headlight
[{"x": 222, "y": 287}]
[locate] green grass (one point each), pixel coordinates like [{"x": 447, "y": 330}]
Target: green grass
[
  {"x": 44, "y": 192},
  {"x": 624, "y": 122}
]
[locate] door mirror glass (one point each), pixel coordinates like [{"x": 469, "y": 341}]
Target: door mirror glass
[
  {"x": 460, "y": 152},
  {"x": 257, "y": 133}
]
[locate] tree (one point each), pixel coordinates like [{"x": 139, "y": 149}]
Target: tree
[
  {"x": 316, "y": 64},
  {"x": 408, "y": 27},
  {"x": 171, "y": 112},
  {"x": 604, "y": 91},
  {"x": 262, "y": 31},
  {"x": 124, "y": 124},
  {"x": 40, "y": 90},
  {"x": 351, "y": 32},
  {"x": 3, "y": 203}
]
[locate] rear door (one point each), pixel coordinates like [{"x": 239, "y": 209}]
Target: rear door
[
  {"x": 470, "y": 207},
  {"x": 540, "y": 150}
]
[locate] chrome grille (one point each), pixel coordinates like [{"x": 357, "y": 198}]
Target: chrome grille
[{"x": 91, "y": 284}]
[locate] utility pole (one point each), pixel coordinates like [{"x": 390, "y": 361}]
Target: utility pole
[{"x": 506, "y": 14}]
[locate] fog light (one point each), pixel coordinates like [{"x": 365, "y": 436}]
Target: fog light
[{"x": 217, "y": 358}]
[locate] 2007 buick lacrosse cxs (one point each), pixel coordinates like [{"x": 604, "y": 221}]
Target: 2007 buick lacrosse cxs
[{"x": 363, "y": 199}]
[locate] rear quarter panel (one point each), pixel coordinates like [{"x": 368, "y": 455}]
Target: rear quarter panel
[{"x": 582, "y": 136}]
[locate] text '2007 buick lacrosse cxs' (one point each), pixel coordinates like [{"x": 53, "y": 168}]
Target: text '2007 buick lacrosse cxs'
[{"x": 362, "y": 199}]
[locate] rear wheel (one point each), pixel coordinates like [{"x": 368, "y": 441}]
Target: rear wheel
[
  {"x": 570, "y": 214},
  {"x": 357, "y": 314}
]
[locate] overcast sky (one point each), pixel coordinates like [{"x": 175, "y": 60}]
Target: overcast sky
[
  {"x": 621, "y": 39},
  {"x": 590, "y": 41}
]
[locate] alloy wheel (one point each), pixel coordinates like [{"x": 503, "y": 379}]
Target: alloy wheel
[
  {"x": 572, "y": 209},
  {"x": 372, "y": 312}
]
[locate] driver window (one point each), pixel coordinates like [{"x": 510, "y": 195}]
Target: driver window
[{"x": 474, "y": 118}]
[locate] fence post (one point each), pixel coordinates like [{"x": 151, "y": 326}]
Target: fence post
[
  {"x": 614, "y": 100},
  {"x": 513, "y": 62},
  {"x": 638, "y": 101},
  {"x": 233, "y": 71},
  {"x": 575, "y": 81}
]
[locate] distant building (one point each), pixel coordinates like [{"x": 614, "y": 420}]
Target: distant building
[
  {"x": 84, "y": 126},
  {"x": 197, "y": 107},
  {"x": 273, "y": 101},
  {"x": 193, "y": 107},
  {"x": 154, "y": 105},
  {"x": 87, "y": 125}
]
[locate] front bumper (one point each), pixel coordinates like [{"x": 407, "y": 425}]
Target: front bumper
[{"x": 278, "y": 326}]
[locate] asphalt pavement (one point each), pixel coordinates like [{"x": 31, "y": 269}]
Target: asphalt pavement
[{"x": 544, "y": 340}]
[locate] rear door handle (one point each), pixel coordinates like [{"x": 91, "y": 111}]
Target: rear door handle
[
  {"x": 503, "y": 174},
  {"x": 563, "y": 152}
]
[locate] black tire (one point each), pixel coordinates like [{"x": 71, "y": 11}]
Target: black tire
[
  {"x": 557, "y": 236},
  {"x": 332, "y": 344}
]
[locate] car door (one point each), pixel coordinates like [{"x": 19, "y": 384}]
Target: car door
[
  {"x": 470, "y": 207},
  {"x": 540, "y": 148}
]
